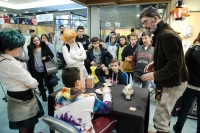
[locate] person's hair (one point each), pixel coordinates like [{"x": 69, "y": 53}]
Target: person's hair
[
  {"x": 31, "y": 31},
  {"x": 45, "y": 36},
  {"x": 19, "y": 31},
  {"x": 11, "y": 39},
  {"x": 70, "y": 75},
  {"x": 115, "y": 60},
  {"x": 95, "y": 39},
  {"x": 150, "y": 12},
  {"x": 68, "y": 34},
  {"x": 197, "y": 39},
  {"x": 80, "y": 27},
  {"x": 134, "y": 34},
  {"x": 132, "y": 29},
  {"x": 126, "y": 41},
  {"x": 146, "y": 34},
  {"x": 61, "y": 26},
  {"x": 31, "y": 42}
]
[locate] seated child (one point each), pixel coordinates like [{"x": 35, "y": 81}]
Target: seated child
[
  {"x": 77, "y": 108},
  {"x": 115, "y": 74},
  {"x": 97, "y": 56}
]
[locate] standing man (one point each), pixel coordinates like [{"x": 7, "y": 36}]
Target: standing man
[
  {"x": 83, "y": 39},
  {"x": 58, "y": 42},
  {"x": 168, "y": 68}
]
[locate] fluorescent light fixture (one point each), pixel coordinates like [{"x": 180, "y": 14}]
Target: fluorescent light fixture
[
  {"x": 35, "y": 4},
  {"x": 4, "y": 10},
  {"x": 39, "y": 10},
  {"x": 26, "y": 12},
  {"x": 137, "y": 15},
  {"x": 72, "y": 8},
  {"x": 5, "y": 0}
]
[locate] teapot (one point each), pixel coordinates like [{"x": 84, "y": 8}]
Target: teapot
[{"x": 128, "y": 92}]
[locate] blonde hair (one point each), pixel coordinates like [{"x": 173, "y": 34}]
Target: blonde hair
[{"x": 68, "y": 34}]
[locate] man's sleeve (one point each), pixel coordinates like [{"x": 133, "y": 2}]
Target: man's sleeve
[{"x": 173, "y": 50}]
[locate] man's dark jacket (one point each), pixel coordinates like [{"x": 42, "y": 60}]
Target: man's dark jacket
[{"x": 169, "y": 62}]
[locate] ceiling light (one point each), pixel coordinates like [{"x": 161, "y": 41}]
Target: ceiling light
[
  {"x": 5, "y": 0},
  {"x": 137, "y": 15},
  {"x": 39, "y": 10},
  {"x": 26, "y": 12},
  {"x": 4, "y": 10}
]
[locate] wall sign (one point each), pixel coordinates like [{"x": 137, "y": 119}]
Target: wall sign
[{"x": 44, "y": 17}]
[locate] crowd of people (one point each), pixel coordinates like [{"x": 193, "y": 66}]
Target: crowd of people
[{"x": 157, "y": 58}]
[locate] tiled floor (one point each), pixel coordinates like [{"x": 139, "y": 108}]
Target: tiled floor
[{"x": 190, "y": 125}]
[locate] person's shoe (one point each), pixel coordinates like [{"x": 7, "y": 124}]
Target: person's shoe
[
  {"x": 44, "y": 98},
  {"x": 175, "y": 129}
]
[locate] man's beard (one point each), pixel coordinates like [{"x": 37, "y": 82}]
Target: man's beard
[{"x": 151, "y": 30}]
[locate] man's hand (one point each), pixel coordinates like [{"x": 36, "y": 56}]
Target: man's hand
[
  {"x": 104, "y": 69},
  {"x": 102, "y": 65},
  {"x": 44, "y": 58},
  {"x": 149, "y": 67},
  {"x": 93, "y": 63},
  {"x": 127, "y": 59},
  {"x": 148, "y": 77}
]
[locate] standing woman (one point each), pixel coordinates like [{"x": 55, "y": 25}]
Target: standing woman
[
  {"x": 45, "y": 39},
  {"x": 192, "y": 91},
  {"x": 73, "y": 52},
  {"x": 39, "y": 53},
  {"x": 22, "y": 104}
]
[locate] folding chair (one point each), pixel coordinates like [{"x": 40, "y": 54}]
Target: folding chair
[{"x": 60, "y": 126}]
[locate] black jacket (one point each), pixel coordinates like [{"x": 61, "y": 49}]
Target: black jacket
[
  {"x": 119, "y": 77},
  {"x": 169, "y": 63},
  {"x": 106, "y": 57},
  {"x": 128, "y": 51},
  {"x": 45, "y": 52},
  {"x": 193, "y": 64},
  {"x": 84, "y": 41}
]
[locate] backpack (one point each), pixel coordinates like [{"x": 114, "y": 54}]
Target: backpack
[{"x": 68, "y": 47}]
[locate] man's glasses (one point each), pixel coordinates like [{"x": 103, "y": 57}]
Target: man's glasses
[{"x": 145, "y": 22}]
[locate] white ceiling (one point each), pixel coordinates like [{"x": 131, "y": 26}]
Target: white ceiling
[
  {"x": 16, "y": 2},
  {"x": 26, "y": 4}
]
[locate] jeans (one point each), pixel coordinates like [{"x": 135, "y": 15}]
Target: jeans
[
  {"x": 165, "y": 105},
  {"x": 188, "y": 98}
]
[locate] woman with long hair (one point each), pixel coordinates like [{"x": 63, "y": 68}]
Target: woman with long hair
[
  {"x": 22, "y": 104},
  {"x": 192, "y": 91},
  {"x": 39, "y": 53}
]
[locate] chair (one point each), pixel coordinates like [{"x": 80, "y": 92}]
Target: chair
[
  {"x": 125, "y": 77},
  {"x": 60, "y": 126}
]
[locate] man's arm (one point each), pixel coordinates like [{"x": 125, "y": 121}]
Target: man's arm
[{"x": 173, "y": 51}]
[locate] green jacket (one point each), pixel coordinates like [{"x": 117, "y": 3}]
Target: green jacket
[{"x": 169, "y": 63}]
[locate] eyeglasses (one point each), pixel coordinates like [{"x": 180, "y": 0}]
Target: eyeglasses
[{"x": 145, "y": 22}]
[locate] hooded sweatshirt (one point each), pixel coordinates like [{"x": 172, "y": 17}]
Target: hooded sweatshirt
[
  {"x": 112, "y": 48},
  {"x": 77, "y": 108}
]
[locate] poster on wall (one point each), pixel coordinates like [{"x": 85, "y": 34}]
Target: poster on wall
[
  {"x": 186, "y": 44},
  {"x": 187, "y": 31}
]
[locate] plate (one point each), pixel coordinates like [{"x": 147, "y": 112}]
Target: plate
[
  {"x": 98, "y": 91},
  {"x": 108, "y": 85}
]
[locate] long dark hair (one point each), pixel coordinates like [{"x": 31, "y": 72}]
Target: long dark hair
[{"x": 31, "y": 42}]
